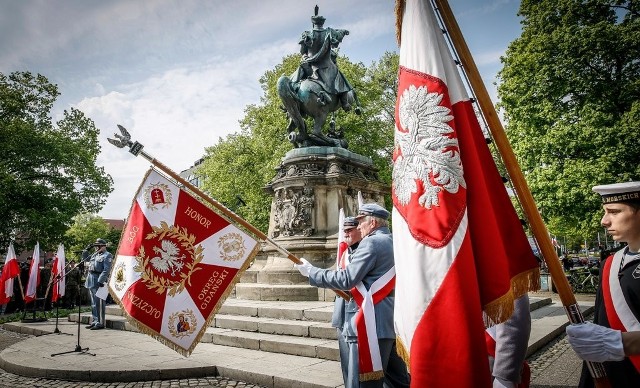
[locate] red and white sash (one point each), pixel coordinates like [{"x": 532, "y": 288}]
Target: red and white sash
[
  {"x": 369, "y": 359},
  {"x": 619, "y": 314}
]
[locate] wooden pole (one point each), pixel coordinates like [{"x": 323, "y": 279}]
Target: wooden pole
[
  {"x": 257, "y": 232},
  {"x": 538, "y": 227}
]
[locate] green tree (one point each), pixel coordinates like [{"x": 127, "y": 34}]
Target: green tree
[
  {"x": 48, "y": 171},
  {"x": 241, "y": 164},
  {"x": 86, "y": 229},
  {"x": 570, "y": 90}
]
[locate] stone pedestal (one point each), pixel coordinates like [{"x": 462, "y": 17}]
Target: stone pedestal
[{"x": 310, "y": 187}]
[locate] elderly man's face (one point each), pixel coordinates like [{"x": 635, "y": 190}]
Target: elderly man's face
[
  {"x": 352, "y": 236},
  {"x": 366, "y": 225}
]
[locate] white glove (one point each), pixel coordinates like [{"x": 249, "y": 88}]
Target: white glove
[
  {"x": 499, "y": 383},
  {"x": 304, "y": 268},
  {"x": 595, "y": 343}
]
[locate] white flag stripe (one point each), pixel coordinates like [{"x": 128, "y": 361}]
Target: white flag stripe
[
  {"x": 125, "y": 264},
  {"x": 34, "y": 269},
  {"x": 61, "y": 264},
  {"x": 212, "y": 252},
  {"x": 414, "y": 53},
  {"x": 421, "y": 272}
]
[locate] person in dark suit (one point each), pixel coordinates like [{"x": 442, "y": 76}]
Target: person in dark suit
[{"x": 370, "y": 276}]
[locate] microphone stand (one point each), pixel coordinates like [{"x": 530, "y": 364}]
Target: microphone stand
[
  {"x": 78, "y": 349},
  {"x": 67, "y": 269}
]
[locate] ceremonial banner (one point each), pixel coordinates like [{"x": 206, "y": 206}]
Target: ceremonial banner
[
  {"x": 10, "y": 270},
  {"x": 461, "y": 255},
  {"x": 176, "y": 263},
  {"x": 57, "y": 274},
  {"x": 34, "y": 276}
]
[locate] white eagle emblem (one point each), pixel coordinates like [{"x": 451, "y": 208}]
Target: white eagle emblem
[
  {"x": 168, "y": 259},
  {"x": 428, "y": 154}
]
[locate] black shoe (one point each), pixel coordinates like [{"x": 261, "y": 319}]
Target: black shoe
[
  {"x": 90, "y": 326},
  {"x": 97, "y": 327}
]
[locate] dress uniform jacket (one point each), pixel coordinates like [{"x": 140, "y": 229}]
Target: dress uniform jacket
[
  {"x": 372, "y": 259},
  {"x": 99, "y": 269},
  {"x": 620, "y": 373}
]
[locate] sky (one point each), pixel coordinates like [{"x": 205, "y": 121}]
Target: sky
[{"x": 178, "y": 74}]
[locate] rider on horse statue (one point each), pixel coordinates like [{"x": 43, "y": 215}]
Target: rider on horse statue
[
  {"x": 319, "y": 52},
  {"x": 317, "y": 88}
]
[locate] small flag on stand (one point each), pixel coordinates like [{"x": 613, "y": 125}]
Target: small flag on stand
[
  {"x": 34, "y": 276},
  {"x": 58, "y": 275},
  {"x": 10, "y": 270},
  {"x": 177, "y": 262},
  {"x": 461, "y": 254}
]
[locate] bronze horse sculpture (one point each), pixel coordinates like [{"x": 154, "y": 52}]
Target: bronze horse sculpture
[{"x": 317, "y": 88}]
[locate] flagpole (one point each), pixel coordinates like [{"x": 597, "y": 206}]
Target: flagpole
[
  {"x": 136, "y": 149},
  {"x": 538, "y": 227}
]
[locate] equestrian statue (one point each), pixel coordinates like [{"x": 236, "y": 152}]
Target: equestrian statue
[{"x": 317, "y": 88}]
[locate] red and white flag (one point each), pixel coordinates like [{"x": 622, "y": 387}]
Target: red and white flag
[
  {"x": 342, "y": 243},
  {"x": 57, "y": 274},
  {"x": 10, "y": 270},
  {"x": 177, "y": 262},
  {"x": 34, "y": 276},
  {"x": 461, "y": 254}
]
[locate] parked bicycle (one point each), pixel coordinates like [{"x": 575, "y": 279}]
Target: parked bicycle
[{"x": 584, "y": 279}]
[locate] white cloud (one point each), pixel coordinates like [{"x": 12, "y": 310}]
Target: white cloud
[{"x": 177, "y": 74}]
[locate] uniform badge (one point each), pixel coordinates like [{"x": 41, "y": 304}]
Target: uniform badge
[
  {"x": 157, "y": 195},
  {"x": 636, "y": 272}
]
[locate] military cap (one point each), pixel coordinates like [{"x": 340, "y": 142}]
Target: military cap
[
  {"x": 100, "y": 242},
  {"x": 373, "y": 209},
  {"x": 619, "y": 192},
  {"x": 349, "y": 223}
]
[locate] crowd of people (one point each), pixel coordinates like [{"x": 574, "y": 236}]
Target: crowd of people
[{"x": 76, "y": 288}]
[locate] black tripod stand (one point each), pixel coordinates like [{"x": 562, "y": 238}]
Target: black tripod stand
[
  {"x": 78, "y": 349},
  {"x": 56, "y": 282}
]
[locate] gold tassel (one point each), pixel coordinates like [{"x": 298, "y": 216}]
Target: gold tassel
[
  {"x": 500, "y": 309},
  {"x": 402, "y": 352},
  {"x": 370, "y": 376}
]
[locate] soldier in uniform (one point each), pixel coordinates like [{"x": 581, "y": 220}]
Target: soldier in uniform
[
  {"x": 614, "y": 337},
  {"x": 369, "y": 276},
  {"x": 97, "y": 276},
  {"x": 352, "y": 237}
]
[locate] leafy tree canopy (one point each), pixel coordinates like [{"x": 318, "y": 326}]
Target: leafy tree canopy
[
  {"x": 48, "y": 171},
  {"x": 241, "y": 164},
  {"x": 570, "y": 90},
  {"x": 86, "y": 229}
]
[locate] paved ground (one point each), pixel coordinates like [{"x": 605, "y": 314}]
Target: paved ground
[
  {"x": 9, "y": 380},
  {"x": 555, "y": 365}
]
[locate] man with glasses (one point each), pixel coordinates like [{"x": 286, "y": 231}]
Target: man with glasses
[{"x": 370, "y": 277}]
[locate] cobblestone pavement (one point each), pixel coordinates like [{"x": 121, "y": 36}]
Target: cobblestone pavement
[
  {"x": 555, "y": 365},
  {"x": 9, "y": 380}
]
